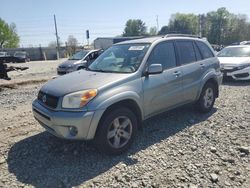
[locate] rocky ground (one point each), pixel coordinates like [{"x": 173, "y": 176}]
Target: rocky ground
[{"x": 181, "y": 148}]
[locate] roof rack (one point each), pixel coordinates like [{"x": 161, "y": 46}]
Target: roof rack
[{"x": 182, "y": 35}]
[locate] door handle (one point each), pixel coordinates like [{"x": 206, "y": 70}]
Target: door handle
[
  {"x": 177, "y": 73},
  {"x": 202, "y": 66}
]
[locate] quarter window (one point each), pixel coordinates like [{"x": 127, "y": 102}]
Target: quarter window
[
  {"x": 205, "y": 51},
  {"x": 186, "y": 52},
  {"x": 163, "y": 54},
  {"x": 197, "y": 52}
]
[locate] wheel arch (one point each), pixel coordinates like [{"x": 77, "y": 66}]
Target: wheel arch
[
  {"x": 212, "y": 80},
  {"x": 127, "y": 103}
]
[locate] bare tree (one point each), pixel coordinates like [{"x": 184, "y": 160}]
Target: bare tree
[{"x": 72, "y": 44}]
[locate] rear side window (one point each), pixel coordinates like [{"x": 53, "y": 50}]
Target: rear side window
[
  {"x": 186, "y": 51},
  {"x": 197, "y": 52},
  {"x": 163, "y": 54},
  {"x": 205, "y": 50}
]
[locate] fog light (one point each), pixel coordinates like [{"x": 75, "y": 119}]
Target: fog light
[{"x": 73, "y": 131}]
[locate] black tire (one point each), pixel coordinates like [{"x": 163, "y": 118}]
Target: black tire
[
  {"x": 80, "y": 68},
  {"x": 103, "y": 143},
  {"x": 202, "y": 105}
]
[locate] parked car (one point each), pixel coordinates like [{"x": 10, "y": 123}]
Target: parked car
[
  {"x": 5, "y": 57},
  {"x": 235, "y": 62},
  {"x": 3, "y": 54},
  {"x": 21, "y": 57},
  {"x": 245, "y": 43},
  {"x": 80, "y": 60},
  {"x": 128, "y": 83}
]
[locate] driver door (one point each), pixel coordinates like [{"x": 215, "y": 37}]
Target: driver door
[{"x": 162, "y": 91}]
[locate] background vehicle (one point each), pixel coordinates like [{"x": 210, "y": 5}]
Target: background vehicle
[
  {"x": 3, "y": 54},
  {"x": 235, "y": 62},
  {"x": 80, "y": 60},
  {"x": 126, "y": 84},
  {"x": 20, "y": 57},
  {"x": 245, "y": 43}
]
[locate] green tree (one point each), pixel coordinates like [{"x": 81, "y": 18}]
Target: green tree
[
  {"x": 134, "y": 28},
  {"x": 153, "y": 31},
  {"x": 8, "y": 35},
  {"x": 223, "y": 27},
  {"x": 164, "y": 30},
  {"x": 184, "y": 23},
  {"x": 217, "y": 25}
]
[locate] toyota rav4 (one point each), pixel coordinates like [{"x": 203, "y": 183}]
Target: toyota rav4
[{"x": 128, "y": 83}]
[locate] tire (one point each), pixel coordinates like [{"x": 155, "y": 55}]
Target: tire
[
  {"x": 207, "y": 98},
  {"x": 80, "y": 68},
  {"x": 116, "y": 131}
]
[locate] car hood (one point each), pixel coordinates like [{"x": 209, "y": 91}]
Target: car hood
[
  {"x": 80, "y": 80},
  {"x": 234, "y": 61},
  {"x": 69, "y": 63}
]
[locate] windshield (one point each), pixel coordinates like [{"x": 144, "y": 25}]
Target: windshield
[
  {"x": 235, "y": 52},
  {"x": 123, "y": 58},
  {"x": 19, "y": 54},
  {"x": 79, "y": 55}
]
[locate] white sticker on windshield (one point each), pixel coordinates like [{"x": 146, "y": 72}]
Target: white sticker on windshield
[{"x": 136, "y": 48}]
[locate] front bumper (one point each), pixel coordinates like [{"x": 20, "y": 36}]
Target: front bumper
[
  {"x": 58, "y": 123},
  {"x": 243, "y": 74}
]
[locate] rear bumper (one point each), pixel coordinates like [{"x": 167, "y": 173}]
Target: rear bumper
[{"x": 58, "y": 123}]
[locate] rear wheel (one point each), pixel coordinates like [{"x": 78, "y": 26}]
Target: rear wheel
[
  {"x": 116, "y": 131},
  {"x": 207, "y": 98}
]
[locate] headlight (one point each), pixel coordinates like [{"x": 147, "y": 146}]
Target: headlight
[
  {"x": 78, "y": 99},
  {"x": 243, "y": 66}
]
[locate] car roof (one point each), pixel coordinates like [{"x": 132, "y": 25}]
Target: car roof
[{"x": 156, "y": 38}]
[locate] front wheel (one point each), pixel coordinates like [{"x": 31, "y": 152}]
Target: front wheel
[
  {"x": 207, "y": 98},
  {"x": 116, "y": 131}
]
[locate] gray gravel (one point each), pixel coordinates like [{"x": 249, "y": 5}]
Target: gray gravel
[{"x": 181, "y": 148}]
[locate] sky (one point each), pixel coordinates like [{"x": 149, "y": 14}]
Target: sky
[{"x": 35, "y": 22}]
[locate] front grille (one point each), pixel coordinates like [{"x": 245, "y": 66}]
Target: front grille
[
  {"x": 61, "y": 72},
  {"x": 228, "y": 70},
  {"x": 242, "y": 75},
  {"x": 47, "y": 99},
  {"x": 63, "y": 66}
]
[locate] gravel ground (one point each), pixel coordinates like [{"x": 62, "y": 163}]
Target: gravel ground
[{"x": 181, "y": 148}]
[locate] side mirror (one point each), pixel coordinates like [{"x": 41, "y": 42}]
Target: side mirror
[
  {"x": 85, "y": 63},
  {"x": 154, "y": 69}
]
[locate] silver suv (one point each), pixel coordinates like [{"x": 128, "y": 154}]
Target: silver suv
[{"x": 128, "y": 83}]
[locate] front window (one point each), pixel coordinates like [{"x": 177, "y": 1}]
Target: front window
[
  {"x": 78, "y": 55},
  {"x": 20, "y": 54},
  {"x": 235, "y": 52},
  {"x": 123, "y": 58}
]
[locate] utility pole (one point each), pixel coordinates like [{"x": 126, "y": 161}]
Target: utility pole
[
  {"x": 57, "y": 38},
  {"x": 200, "y": 25},
  {"x": 157, "y": 23}
]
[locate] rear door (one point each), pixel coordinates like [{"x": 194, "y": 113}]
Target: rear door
[
  {"x": 189, "y": 60},
  {"x": 162, "y": 91}
]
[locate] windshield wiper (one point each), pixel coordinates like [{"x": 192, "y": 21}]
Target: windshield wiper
[{"x": 95, "y": 70}]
